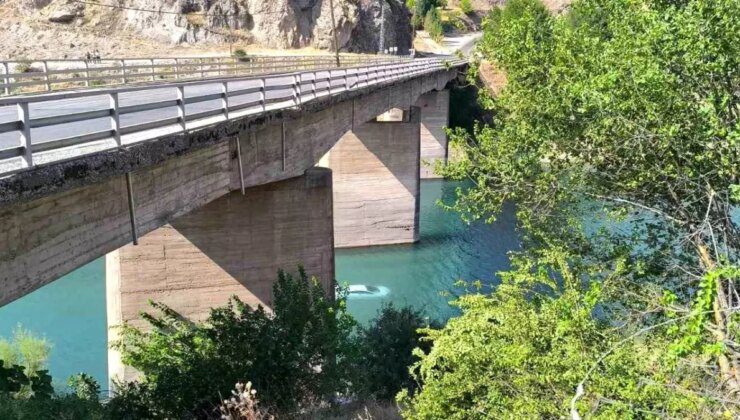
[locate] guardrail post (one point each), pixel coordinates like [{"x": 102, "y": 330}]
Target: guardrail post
[
  {"x": 6, "y": 78},
  {"x": 263, "y": 99},
  {"x": 225, "y": 98},
  {"x": 200, "y": 62},
  {"x": 46, "y": 75},
  {"x": 25, "y": 118},
  {"x": 346, "y": 83},
  {"x": 296, "y": 89},
  {"x": 151, "y": 69},
  {"x": 313, "y": 85},
  {"x": 115, "y": 117},
  {"x": 181, "y": 107},
  {"x": 177, "y": 69},
  {"x": 123, "y": 71},
  {"x": 87, "y": 74}
]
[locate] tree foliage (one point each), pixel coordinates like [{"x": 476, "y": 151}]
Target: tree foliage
[
  {"x": 386, "y": 351},
  {"x": 617, "y": 136},
  {"x": 293, "y": 355},
  {"x": 433, "y": 24},
  {"x": 519, "y": 353}
]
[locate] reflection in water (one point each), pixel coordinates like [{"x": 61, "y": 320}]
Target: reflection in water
[
  {"x": 71, "y": 311},
  {"x": 418, "y": 274}
]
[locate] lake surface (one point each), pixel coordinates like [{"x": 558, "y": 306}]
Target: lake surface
[{"x": 70, "y": 312}]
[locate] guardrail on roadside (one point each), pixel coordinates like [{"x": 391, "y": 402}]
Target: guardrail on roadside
[
  {"x": 28, "y": 76},
  {"x": 59, "y": 126}
]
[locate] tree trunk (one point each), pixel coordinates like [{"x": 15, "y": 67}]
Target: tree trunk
[{"x": 728, "y": 368}]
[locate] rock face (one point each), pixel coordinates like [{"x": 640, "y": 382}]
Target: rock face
[
  {"x": 389, "y": 26},
  {"x": 269, "y": 23}
]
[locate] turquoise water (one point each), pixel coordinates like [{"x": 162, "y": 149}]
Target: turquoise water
[
  {"x": 71, "y": 314},
  {"x": 416, "y": 274}
]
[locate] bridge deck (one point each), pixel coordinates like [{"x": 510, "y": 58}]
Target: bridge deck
[{"x": 42, "y": 129}]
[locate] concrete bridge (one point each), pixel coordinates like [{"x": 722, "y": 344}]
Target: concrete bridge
[{"x": 213, "y": 202}]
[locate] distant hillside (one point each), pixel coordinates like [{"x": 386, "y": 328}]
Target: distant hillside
[{"x": 52, "y": 28}]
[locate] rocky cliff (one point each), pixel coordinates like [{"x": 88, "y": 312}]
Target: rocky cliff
[{"x": 268, "y": 23}]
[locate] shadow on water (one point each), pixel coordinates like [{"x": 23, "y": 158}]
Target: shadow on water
[{"x": 418, "y": 274}]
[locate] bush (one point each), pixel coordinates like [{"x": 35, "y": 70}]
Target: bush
[
  {"x": 433, "y": 24},
  {"x": 386, "y": 352},
  {"x": 466, "y": 6},
  {"x": 25, "y": 349},
  {"x": 295, "y": 356},
  {"x": 32, "y": 396},
  {"x": 522, "y": 351}
]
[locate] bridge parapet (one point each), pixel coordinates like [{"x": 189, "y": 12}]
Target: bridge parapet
[{"x": 39, "y": 75}]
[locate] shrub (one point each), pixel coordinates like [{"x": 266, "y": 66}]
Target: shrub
[
  {"x": 243, "y": 405},
  {"x": 466, "y": 6},
  {"x": 386, "y": 348},
  {"x": 522, "y": 351},
  {"x": 32, "y": 397},
  {"x": 25, "y": 349},
  {"x": 295, "y": 356},
  {"x": 433, "y": 24}
]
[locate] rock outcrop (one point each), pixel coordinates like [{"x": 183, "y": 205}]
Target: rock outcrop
[
  {"x": 359, "y": 24},
  {"x": 390, "y": 27},
  {"x": 271, "y": 23}
]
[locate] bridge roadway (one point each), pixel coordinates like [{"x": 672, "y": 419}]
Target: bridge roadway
[{"x": 59, "y": 123}]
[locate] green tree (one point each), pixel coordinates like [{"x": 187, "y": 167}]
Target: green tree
[
  {"x": 296, "y": 355},
  {"x": 519, "y": 352},
  {"x": 626, "y": 111},
  {"x": 386, "y": 352},
  {"x": 433, "y": 24},
  {"x": 466, "y": 6},
  {"x": 25, "y": 349}
]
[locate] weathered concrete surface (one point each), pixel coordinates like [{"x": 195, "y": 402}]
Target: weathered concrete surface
[
  {"x": 231, "y": 246},
  {"x": 435, "y": 117},
  {"x": 44, "y": 239},
  {"x": 376, "y": 183}
]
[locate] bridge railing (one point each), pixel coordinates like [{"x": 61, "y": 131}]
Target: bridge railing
[
  {"x": 40, "y": 129},
  {"x": 28, "y": 76}
]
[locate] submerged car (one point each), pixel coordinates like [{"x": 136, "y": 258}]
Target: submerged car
[{"x": 366, "y": 291}]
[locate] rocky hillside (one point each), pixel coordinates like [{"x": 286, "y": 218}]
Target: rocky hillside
[{"x": 74, "y": 24}]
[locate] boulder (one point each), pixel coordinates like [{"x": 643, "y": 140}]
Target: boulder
[{"x": 63, "y": 15}]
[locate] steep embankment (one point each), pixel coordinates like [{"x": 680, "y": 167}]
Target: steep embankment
[{"x": 56, "y": 28}]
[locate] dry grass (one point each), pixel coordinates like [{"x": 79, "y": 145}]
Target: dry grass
[
  {"x": 494, "y": 79},
  {"x": 357, "y": 411}
]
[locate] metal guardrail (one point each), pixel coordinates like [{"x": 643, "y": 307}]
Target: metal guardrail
[
  {"x": 58, "y": 126},
  {"x": 28, "y": 76}
]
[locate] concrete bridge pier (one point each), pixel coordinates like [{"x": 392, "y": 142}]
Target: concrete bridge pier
[
  {"x": 435, "y": 117},
  {"x": 376, "y": 182},
  {"x": 231, "y": 246}
]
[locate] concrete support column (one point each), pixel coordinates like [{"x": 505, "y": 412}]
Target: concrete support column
[
  {"x": 376, "y": 183},
  {"x": 435, "y": 117},
  {"x": 231, "y": 246}
]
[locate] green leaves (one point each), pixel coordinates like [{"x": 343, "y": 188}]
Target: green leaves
[
  {"x": 186, "y": 366},
  {"x": 520, "y": 352}
]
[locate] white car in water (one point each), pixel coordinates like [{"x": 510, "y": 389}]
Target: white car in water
[{"x": 362, "y": 291}]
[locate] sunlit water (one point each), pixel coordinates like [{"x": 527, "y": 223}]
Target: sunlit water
[{"x": 70, "y": 312}]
